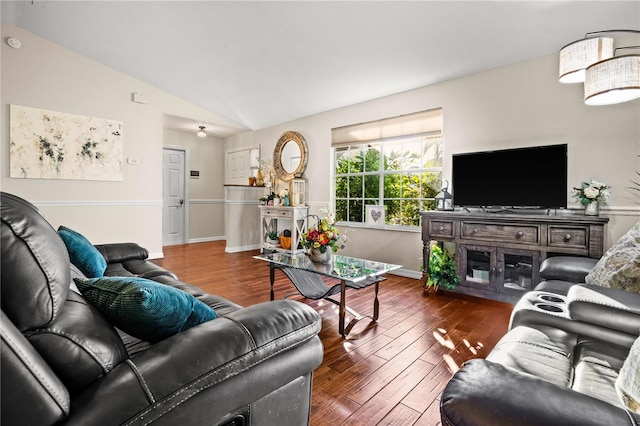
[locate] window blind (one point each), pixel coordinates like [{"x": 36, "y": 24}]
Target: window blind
[{"x": 404, "y": 125}]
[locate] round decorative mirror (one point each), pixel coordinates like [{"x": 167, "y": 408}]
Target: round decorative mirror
[{"x": 290, "y": 156}]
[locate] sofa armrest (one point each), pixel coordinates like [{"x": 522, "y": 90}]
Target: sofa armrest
[
  {"x": 607, "y": 307},
  {"x": 487, "y": 393},
  {"x": 566, "y": 268},
  {"x": 129, "y": 259},
  {"x": 201, "y": 374},
  {"x": 121, "y": 252}
]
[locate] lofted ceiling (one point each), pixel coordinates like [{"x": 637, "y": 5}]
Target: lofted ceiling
[{"x": 260, "y": 63}]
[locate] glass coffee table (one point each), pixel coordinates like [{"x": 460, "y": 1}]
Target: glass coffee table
[{"x": 353, "y": 273}]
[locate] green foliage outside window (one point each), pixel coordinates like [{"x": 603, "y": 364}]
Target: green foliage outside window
[{"x": 405, "y": 175}]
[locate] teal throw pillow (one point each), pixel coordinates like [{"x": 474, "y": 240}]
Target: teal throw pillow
[
  {"x": 82, "y": 253},
  {"x": 143, "y": 308}
]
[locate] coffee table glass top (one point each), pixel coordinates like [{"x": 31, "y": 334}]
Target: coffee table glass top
[{"x": 342, "y": 267}]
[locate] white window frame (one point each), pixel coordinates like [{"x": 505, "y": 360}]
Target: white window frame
[{"x": 382, "y": 173}]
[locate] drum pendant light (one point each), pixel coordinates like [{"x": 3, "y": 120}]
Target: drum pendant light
[
  {"x": 608, "y": 79},
  {"x": 613, "y": 80},
  {"x": 577, "y": 56}
]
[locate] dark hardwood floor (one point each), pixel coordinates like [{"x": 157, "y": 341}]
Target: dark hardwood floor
[{"x": 388, "y": 373}]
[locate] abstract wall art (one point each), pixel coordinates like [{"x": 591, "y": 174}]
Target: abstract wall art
[{"x": 57, "y": 145}]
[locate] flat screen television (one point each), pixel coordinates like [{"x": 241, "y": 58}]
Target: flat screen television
[{"x": 531, "y": 177}]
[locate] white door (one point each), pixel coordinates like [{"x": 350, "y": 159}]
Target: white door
[
  {"x": 238, "y": 167},
  {"x": 173, "y": 195}
]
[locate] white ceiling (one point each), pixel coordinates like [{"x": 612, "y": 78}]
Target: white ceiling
[{"x": 260, "y": 63}]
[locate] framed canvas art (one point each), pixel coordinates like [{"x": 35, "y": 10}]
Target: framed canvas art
[{"x": 57, "y": 145}]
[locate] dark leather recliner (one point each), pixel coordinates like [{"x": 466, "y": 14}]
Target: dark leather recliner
[
  {"x": 63, "y": 363},
  {"x": 558, "y": 363}
]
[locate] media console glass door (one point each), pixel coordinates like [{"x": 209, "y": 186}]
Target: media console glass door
[{"x": 502, "y": 270}]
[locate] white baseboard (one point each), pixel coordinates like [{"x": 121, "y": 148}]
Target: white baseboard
[
  {"x": 207, "y": 239},
  {"x": 156, "y": 255},
  {"x": 241, "y": 248},
  {"x": 408, "y": 273}
]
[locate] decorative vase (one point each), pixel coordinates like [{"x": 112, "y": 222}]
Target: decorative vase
[
  {"x": 592, "y": 208},
  {"x": 316, "y": 256},
  {"x": 259, "y": 178}
]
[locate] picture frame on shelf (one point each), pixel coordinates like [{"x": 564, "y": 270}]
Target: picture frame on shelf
[{"x": 375, "y": 215}]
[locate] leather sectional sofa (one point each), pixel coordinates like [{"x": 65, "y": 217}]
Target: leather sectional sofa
[
  {"x": 64, "y": 363},
  {"x": 559, "y": 361}
]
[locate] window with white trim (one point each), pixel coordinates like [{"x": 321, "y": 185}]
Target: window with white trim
[{"x": 401, "y": 170}]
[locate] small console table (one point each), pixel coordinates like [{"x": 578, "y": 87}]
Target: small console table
[
  {"x": 278, "y": 219},
  {"x": 498, "y": 255}
]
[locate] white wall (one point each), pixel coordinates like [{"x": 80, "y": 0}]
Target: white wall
[
  {"x": 518, "y": 105},
  {"x": 44, "y": 75},
  {"x": 206, "y": 194},
  {"x": 514, "y": 106}
]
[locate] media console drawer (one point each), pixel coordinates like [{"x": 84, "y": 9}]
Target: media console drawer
[
  {"x": 524, "y": 234},
  {"x": 441, "y": 228},
  {"x": 564, "y": 236}
]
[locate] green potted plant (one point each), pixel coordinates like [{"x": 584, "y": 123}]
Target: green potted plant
[
  {"x": 272, "y": 237},
  {"x": 270, "y": 198},
  {"x": 637, "y": 184},
  {"x": 441, "y": 273}
]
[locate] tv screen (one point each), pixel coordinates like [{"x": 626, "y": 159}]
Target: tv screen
[{"x": 522, "y": 177}]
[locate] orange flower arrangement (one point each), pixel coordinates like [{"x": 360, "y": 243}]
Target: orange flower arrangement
[{"x": 323, "y": 236}]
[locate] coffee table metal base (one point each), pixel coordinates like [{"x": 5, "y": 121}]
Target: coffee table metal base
[{"x": 312, "y": 286}]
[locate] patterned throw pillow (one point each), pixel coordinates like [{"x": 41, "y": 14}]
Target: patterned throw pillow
[
  {"x": 143, "y": 308},
  {"x": 620, "y": 266},
  {"x": 82, "y": 253},
  {"x": 628, "y": 382}
]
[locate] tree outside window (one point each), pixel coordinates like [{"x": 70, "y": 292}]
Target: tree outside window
[{"x": 403, "y": 174}]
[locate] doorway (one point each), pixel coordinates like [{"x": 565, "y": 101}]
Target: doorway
[{"x": 175, "y": 196}]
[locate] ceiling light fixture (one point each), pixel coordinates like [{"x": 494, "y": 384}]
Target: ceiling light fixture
[
  {"x": 608, "y": 79},
  {"x": 614, "y": 80},
  {"x": 575, "y": 57},
  {"x": 201, "y": 133}
]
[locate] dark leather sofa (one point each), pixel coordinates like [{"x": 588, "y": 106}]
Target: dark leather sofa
[
  {"x": 559, "y": 361},
  {"x": 64, "y": 363}
]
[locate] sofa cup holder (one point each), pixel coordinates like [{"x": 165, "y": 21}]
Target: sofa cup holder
[
  {"x": 551, "y": 298},
  {"x": 549, "y": 307}
]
